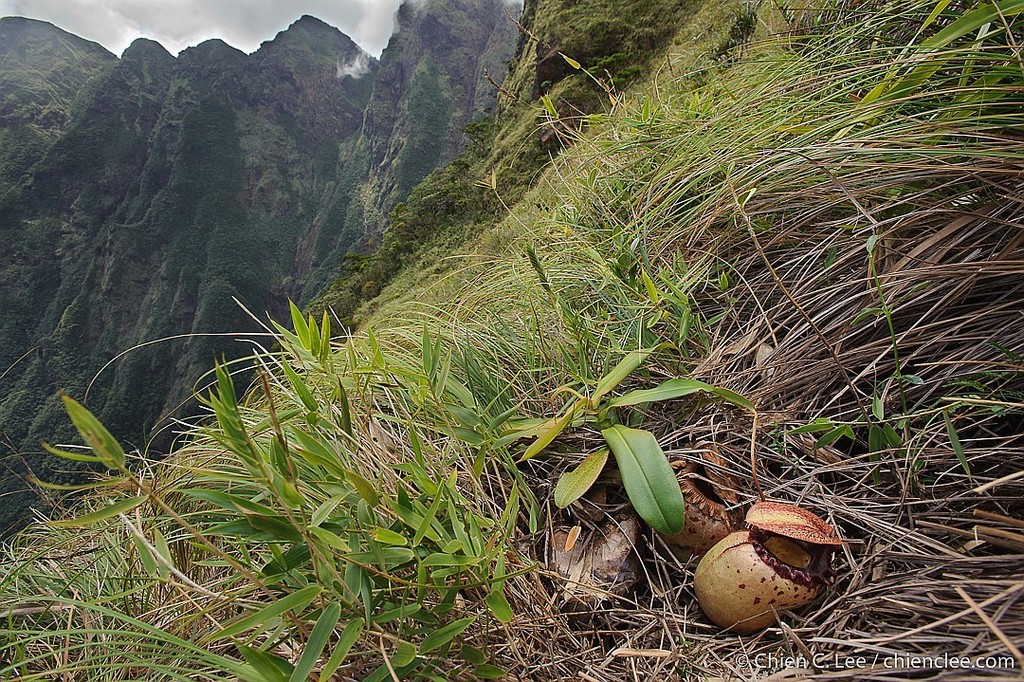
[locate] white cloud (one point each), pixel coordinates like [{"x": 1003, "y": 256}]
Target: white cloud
[
  {"x": 177, "y": 24},
  {"x": 356, "y": 67}
]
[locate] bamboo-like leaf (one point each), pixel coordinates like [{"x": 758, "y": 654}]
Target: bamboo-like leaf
[
  {"x": 363, "y": 487},
  {"x": 647, "y": 477},
  {"x": 145, "y": 556},
  {"x": 344, "y": 409},
  {"x": 486, "y": 671},
  {"x": 405, "y": 653},
  {"x": 262, "y": 618},
  {"x": 348, "y": 638},
  {"x": 677, "y": 388},
  {"x": 389, "y": 537},
  {"x": 318, "y": 639},
  {"x": 571, "y": 62},
  {"x": 323, "y": 512},
  {"x": 574, "y": 484},
  {"x": 499, "y": 605},
  {"x": 268, "y": 667},
  {"x": 111, "y": 482},
  {"x": 441, "y": 637},
  {"x": 164, "y": 552},
  {"x": 114, "y": 509},
  {"x": 549, "y": 106},
  {"x": 95, "y": 434},
  {"x": 299, "y": 323},
  {"x": 330, "y": 539},
  {"x": 308, "y": 401}
]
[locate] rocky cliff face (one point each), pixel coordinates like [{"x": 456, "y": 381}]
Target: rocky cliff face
[
  {"x": 148, "y": 196},
  {"x": 432, "y": 82}
]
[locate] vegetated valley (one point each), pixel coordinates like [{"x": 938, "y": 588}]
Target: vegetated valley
[
  {"x": 148, "y": 202},
  {"x": 700, "y": 359}
]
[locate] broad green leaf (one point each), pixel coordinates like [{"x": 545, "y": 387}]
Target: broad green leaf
[
  {"x": 442, "y": 559},
  {"x": 545, "y": 438},
  {"x": 652, "y": 291},
  {"x": 263, "y": 618},
  {"x": 425, "y": 528},
  {"x": 549, "y": 106},
  {"x": 95, "y": 434},
  {"x": 440, "y": 638},
  {"x": 407, "y": 610},
  {"x": 111, "y": 482},
  {"x": 234, "y": 503},
  {"x": 344, "y": 409},
  {"x": 677, "y": 388},
  {"x": 318, "y": 639},
  {"x": 574, "y": 484},
  {"x": 323, "y": 512},
  {"x": 164, "y": 550},
  {"x": 325, "y": 337},
  {"x": 276, "y": 526},
  {"x": 386, "y": 557},
  {"x": 648, "y": 478},
  {"x": 834, "y": 435},
  {"x": 816, "y": 426},
  {"x": 100, "y": 514},
  {"x": 299, "y": 323},
  {"x": 349, "y": 636},
  {"x": 145, "y": 556},
  {"x": 318, "y": 452}
]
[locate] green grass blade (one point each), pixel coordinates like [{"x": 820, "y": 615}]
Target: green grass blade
[{"x": 104, "y": 513}]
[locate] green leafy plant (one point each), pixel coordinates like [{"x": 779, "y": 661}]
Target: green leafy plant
[{"x": 647, "y": 475}]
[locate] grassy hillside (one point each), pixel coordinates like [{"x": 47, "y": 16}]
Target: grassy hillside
[{"x": 823, "y": 226}]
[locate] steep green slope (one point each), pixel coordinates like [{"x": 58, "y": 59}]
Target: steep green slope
[
  {"x": 42, "y": 71},
  {"x": 178, "y": 189},
  {"x": 509, "y": 150}
]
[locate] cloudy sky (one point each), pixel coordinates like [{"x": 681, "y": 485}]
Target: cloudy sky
[{"x": 177, "y": 24}]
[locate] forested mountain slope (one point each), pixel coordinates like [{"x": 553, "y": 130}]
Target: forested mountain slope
[{"x": 147, "y": 197}]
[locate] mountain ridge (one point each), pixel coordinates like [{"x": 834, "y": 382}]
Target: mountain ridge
[{"x": 176, "y": 187}]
